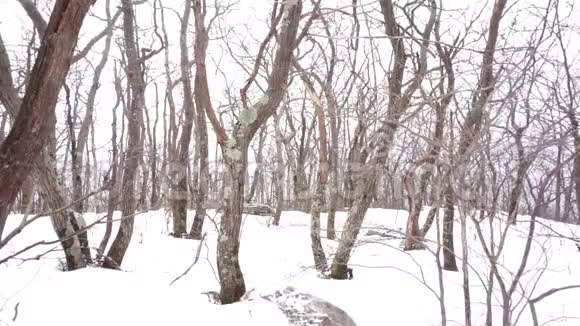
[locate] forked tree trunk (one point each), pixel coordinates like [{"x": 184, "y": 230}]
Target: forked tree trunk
[
  {"x": 398, "y": 104},
  {"x": 133, "y": 150},
  {"x": 22, "y": 150},
  {"x": 235, "y": 147},
  {"x": 180, "y": 194}
]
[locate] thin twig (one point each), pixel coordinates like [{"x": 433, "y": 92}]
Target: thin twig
[{"x": 194, "y": 261}]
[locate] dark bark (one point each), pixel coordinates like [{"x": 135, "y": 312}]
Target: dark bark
[
  {"x": 114, "y": 184},
  {"x": 27, "y": 194},
  {"x": 22, "y": 150}
]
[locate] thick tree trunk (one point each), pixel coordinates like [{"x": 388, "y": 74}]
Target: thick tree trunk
[
  {"x": 22, "y": 150},
  {"x": 235, "y": 148},
  {"x": 65, "y": 224},
  {"x": 27, "y": 193},
  {"x": 228, "y": 247},
  {"x": 133, "y": 150}
]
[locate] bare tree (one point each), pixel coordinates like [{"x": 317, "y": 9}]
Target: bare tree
[
  {"x": 133, "y": 151},
  {"x": 235, "y": 146},
  {"x": 31, "y": 129},
  {"x": 398, "y": 104}
]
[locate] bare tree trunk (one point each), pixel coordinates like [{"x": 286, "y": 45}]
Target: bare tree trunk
[
  {"x": 278, "y": 171},
  {"x": 449, "y": 261},
  {"x": 133, "y": 151},
  {"x": 398, "y": 104},
  {"x": 180, "y": 194},
  {"x": 259, "y": 161},
  {"x": 27, "y": 193},
  {"x": 81, "y": 140},
  {"x": 317, "y": 250},
  {"x": 114, "y": 184},
  {"x": 559, "y": 188},
  {"x": 235, "y": 148},
  {"x": 22, "y": 150},
  {"x": 154, "y": 203},
  {"x": 203, "y": 165},
  {"x": 230, "y": 274}
]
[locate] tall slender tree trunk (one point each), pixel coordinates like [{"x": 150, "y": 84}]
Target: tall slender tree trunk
[
  {"x": 203, "y": 166},
  {"x": 259, "y": 161},
  {"x": 399, "y": 102},
  {"x": 449, "y": 262},
  {"x": 278, "y": 171},
  {"x": 114, "y": 184},
  {"x": 133, "y": 150},
  {"x": 235, "y": 147}
]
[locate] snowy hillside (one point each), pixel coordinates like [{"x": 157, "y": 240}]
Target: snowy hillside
[{"x": 390, "y": 286}]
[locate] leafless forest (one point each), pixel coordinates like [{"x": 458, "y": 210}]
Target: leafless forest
[{"x": 463, "y": 108}]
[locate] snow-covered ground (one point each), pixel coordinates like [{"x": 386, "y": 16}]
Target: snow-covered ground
[{"x": 390, "y": 286}]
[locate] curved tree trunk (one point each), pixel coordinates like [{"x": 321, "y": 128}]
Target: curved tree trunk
[
  {"x": 22, "y": 150},
  {"x": 398, "y": 104}
]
